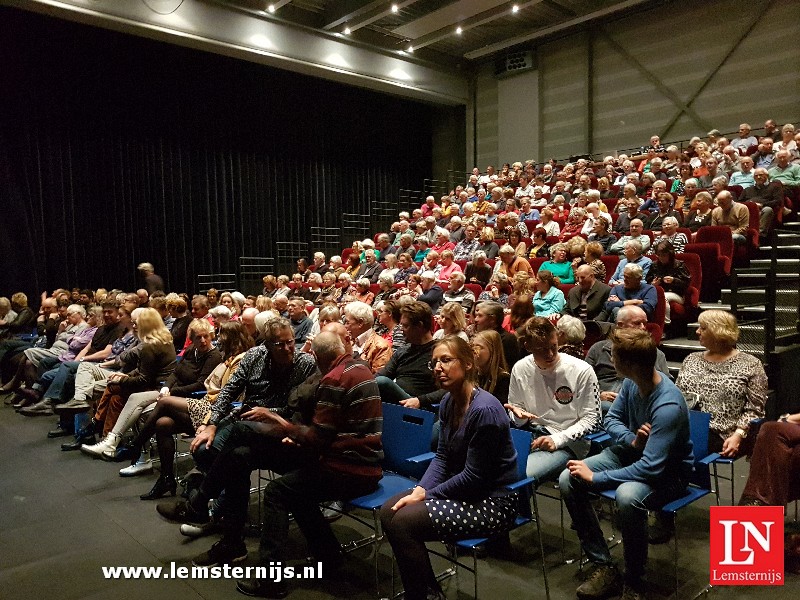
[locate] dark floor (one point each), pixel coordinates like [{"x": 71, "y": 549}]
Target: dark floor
[{"x": 64, "y": 516}]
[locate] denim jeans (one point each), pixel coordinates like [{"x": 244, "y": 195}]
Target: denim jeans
[
  {"x": 633, "y": 500},
  {"x": 544, "y": 465},
  {"x": 390, "y": 391}
]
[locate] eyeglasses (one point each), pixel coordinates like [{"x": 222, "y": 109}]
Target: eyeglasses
[
  {"x": 286, "y": 344},
  {"x": 445, "y": 361}
]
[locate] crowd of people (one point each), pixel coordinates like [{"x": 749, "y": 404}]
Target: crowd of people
[{"x": 443, "y": 313}]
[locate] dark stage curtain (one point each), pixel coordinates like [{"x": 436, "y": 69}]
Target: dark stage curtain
[{"x": 116, "y": 150}]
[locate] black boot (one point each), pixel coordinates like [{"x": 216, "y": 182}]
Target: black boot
[
  {"x": 85, "y": 435},
  {"x": 164, "y": 485}
]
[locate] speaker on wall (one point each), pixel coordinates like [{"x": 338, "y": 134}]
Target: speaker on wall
[{"x": 514, "y": 62}]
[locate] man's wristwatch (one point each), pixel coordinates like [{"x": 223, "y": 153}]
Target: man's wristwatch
[
  {"x": 742, "y": 433},
  {"x": 784, "y": 417}
]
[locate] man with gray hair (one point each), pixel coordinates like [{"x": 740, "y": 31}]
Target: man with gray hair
[
  {"x": 467, "y": 247},
  {"x": 744, "y": 176},
  {"x": 745, "y": 140},
  {"x": 635, "y": 230},
  {"x": 370, "y": 269},
  {"x": 456, "y": 229},
  {"x": 632, "y": 292},
  {"x": 320, "y": 266},
  {"x": 367, "y": 345},
  {"x": 587, "y": 299},
  {"x": 458, "y": 293},
  {"x": 382, "y": 246}
]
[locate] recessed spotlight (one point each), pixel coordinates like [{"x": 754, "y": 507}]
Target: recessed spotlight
[
  {"x": 410, "y": 49},
  {"x": 347, "y": 31},
  {"x": 271, "y": 8},
  {"x": 515, "y": 9},
  {"x": 395, "y": 8},
  {"x": 401, "y": 52},
  {"x": 459, "y": 30}
]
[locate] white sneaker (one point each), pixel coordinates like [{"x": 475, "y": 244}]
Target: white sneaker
[
  {"x": 138, "y": 468},
  {"x": 332, "y": 510},
  {"x": 109, "y": 443},
  {"x": 196, "y": 531}
]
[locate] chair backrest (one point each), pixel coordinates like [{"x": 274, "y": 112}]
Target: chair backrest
[
  {"x": 699, "y": 423},
  {"x": 692, "y": 262},
  {"x": 475, "y": 288},
  {"x": 537, "y": 262},
  {"x": 660, "y": 313},
  {"x": 610, "y": 261},
  {"x": 717, "y": 234},
  {"x": 406, "y": 432},
  {"x": 522, "y": 444}
]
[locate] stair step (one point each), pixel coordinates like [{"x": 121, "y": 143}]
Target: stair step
[
  {"x": 758, "y": 296},
  {"x": 788, "y": 239},
  {"x": 782, "y": 265}
]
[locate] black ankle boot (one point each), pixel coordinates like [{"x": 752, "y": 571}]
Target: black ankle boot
[{"x": 164, "y": 485}]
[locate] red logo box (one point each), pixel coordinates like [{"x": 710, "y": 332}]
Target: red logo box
[{"x": 746, "y": 545}]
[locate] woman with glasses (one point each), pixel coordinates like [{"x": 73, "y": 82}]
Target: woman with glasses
[{"x": 463, "y": 493}]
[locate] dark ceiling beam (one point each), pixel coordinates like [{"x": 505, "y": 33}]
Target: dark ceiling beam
[
  {"x": 339, "y": 14},
  {"x": 540, "y": 33},
  {"x": 277, "y": 5},
  {"x": 483, "y": 18}
]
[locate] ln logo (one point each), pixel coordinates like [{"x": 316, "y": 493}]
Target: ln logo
[{"x": 746, "y": 545}]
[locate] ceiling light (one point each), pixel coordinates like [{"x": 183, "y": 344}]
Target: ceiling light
[
  {"x": 347, "y": 31},
  {"x": 459, "y": 30},
  {"x": 395, "y": 8},
  {"x": 515, "y": 9},
  {"x": 271, "y": 8},
  {"x": 410, "y": 49}
]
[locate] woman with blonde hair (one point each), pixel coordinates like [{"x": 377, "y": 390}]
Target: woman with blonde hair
[
  {"x": 492, "y": 370},
  {"x": 488, "y": 245},
  {"x": 452, "y": 321},
  {"x": 729, "y": 384},
  {"x": 156, "y": 362}
]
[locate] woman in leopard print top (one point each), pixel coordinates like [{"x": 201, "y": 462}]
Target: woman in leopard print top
[{"x": 730, "y": 385}]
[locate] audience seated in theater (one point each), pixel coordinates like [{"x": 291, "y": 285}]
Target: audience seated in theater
[
  {"x": 558, "y": 428},
  {"x": 736, "y": 216},
  {"x": 298, "y": 318},
  {"x": 477, "y": 270},
  {"x": 452, "y": 321},
  {"x": 787, "y": 141},
  {"x": 587, "y": 299},
  {"x": 559, "y": 265},
  {"x": 487, "y": 243},
  {"x": 601, "y": 234},
  {"x": 407, "y": 378},
  {"x": 549, "y": 299},
  {"x": 353, "y": 265},
  {"x": 282, "y": 288},
  {"x": 270, "y": 285},
  {"x": 362, "y": 293},
  {"x": 219, "y": 314},
  {"x": 328, "y": 313},
  {"x": 594, "y": 214},
  {"x": 712, "y": 172},
  {"x": 576, "y": 251},
  {"x": 574, "y": 223},
  {"x": 729, "y": 384},
  {"x": 411, "y": 290},
  {"x": 645, "y": 475},
  {"x": 599, "y": 356},
  {"x": 744, "y": 176},
  {"x": 475, "y": 452}
]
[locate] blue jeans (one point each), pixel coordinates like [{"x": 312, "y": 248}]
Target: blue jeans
[
  {"x": 634, "y": 499},
  {"x": 544, "y": 465},
  {"x": 390, "y": 391},
  {"x": 62, "y": 386}
]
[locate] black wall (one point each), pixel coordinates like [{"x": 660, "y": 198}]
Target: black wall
[{"x": 116, "y": 150}]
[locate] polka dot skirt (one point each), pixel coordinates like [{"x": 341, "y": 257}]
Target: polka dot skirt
[{"x": 454, "y": 519}]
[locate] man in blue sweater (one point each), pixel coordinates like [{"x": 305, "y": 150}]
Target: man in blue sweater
[{"x": 649, "y": 465}]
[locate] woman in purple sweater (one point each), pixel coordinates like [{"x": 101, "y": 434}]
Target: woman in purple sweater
[{"x": 462, "y": 494}]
